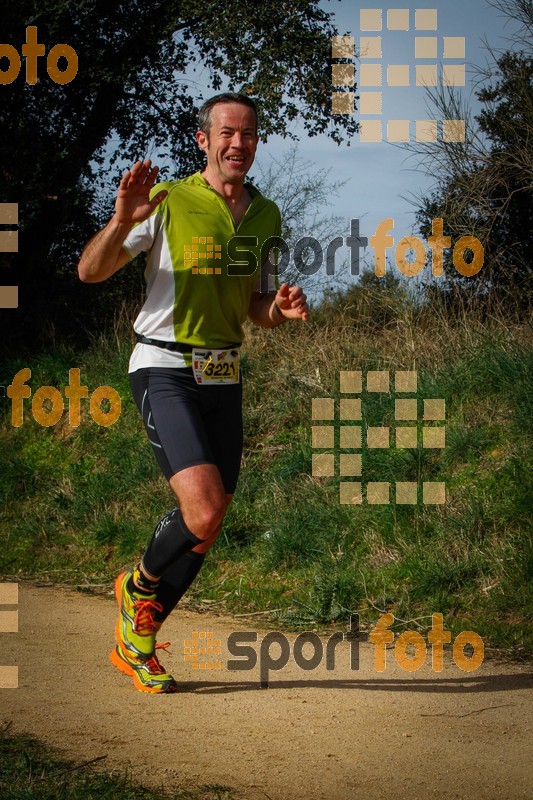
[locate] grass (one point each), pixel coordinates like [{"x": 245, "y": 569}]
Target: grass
[
  {"x": 29, "y": 770},
  {"x": 78, "y": 504}
]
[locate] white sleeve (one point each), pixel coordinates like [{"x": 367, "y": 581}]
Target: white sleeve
[{"x": 142, "y": 236}]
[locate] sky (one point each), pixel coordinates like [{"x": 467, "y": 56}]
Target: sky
[{"x": 383, "y": 178}]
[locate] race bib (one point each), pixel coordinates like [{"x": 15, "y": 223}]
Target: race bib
[{"x": 215, "y": 366}]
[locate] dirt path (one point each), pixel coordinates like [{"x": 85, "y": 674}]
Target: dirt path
[{"x": 316, "y": 735}]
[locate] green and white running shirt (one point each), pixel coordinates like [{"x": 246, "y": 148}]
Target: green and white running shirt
[{"x": 191, "y": 298}]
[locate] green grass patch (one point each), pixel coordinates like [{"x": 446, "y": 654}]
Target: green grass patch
[
  {"x": 29, "y": 770},
  {"x": 79, "y": 503}
]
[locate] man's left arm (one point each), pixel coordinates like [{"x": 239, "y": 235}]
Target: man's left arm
[{"x": 272, "y": 308}]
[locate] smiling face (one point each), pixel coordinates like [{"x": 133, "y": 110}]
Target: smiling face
[{"x": 231, "y": 143}]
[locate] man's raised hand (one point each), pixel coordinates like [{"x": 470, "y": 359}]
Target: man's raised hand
[
  {"x": 104, "y": 254},
  {"x": 133, "y": 202}
]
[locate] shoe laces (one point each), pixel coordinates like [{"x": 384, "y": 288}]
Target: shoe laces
[
  {"x": 153, "y": 663},
  {"x": 143, "y": 620}
]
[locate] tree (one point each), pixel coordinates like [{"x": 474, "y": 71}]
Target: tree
[
  {"x": 132, "y": 96},
  {"x": 483, "y": 185},
  {"x": 302, "y": 192}
]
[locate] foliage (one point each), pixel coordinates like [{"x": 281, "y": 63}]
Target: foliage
[
  {"x": 134, "y": 94},
  {"x": 483, "y": 185},
  {"x": 302, "y": 192}
]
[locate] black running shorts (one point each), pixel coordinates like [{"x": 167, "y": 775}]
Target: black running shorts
[{"x": 188, "y": 423}]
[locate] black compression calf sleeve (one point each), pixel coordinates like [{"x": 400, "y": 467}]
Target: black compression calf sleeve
[
  {"x": 175, "y": 581},
  {"x": 170, "y": 540}
]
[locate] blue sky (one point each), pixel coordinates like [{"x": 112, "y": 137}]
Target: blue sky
[
  {"x": 381, "y": 176},
  {"x": 383, "y": 179}
]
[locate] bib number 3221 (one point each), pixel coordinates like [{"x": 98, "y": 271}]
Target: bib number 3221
[{"x": 215, "y": 366}]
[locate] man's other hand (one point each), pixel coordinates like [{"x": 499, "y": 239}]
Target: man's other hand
[{"x": 291, "y": 301}]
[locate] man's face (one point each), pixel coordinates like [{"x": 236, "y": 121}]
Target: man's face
[{"x": 232, "y": 141}]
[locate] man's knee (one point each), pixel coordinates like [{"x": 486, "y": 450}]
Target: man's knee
[
  {"x": 201, "y": 498},
  {"x": 205, "y": 519},
  {"x": 210, "y": 540}
]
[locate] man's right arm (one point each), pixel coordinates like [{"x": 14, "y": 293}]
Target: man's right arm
[{"x": 104, "y": 254}]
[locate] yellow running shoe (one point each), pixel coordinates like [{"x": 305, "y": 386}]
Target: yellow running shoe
[
  {"x": 148, "y": 676},
  {"x": 136, "y": 627}
]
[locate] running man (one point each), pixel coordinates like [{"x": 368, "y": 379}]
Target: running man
[{"x": 184, "y": 370}]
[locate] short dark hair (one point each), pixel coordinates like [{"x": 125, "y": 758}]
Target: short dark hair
[{"x": 204, "y": 117}]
